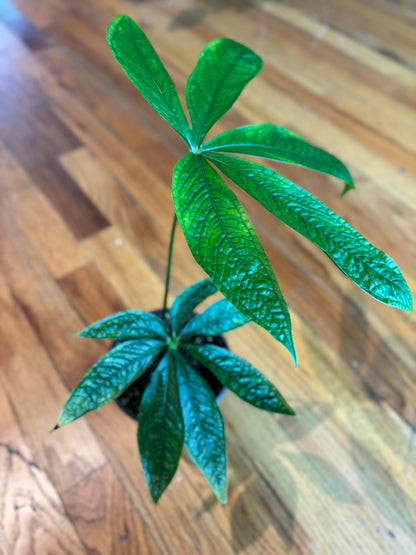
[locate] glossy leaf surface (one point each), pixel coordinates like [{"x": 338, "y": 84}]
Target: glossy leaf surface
[
  {"x": 218, "y": 318},
  {"x": 269, "y": 141},
  {"x": 223, "y": 70},
  {"x": 137, "y": 57},
  {"x": 241, "y": 377},
  {"x": 224, "y": 242},
  {"x": 161, "y": 430},
  {"x": 184, "y": 304},
  {"x": 370, "y": 268},
  {"x": 204, "y": 427},
  {"x": 109, "y": 377},
  {"x": 130, "y": 324}
]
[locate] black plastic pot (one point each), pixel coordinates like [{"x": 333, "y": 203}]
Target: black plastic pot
[{"x": 129, "y": 400}]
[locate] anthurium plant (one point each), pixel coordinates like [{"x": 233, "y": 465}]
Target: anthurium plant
[{"x": 177, "y": 407}]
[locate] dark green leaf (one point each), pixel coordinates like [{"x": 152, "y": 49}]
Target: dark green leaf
[
  {"x": 240, "y": 377},
  {"x": 218, "y": 318},
  {"x": 368, "y": 267},
  {"x": 161, "y": 430},
  {"x": 224, "y": 242},
  {"x": 223, "y": 70},
  {"x": 130, "y": 324},
  {"x": 137, "y": 57},
  {"x": 109, "y": 377},
  {"x": 204, "y": 427},
  {"x": 184, "y": 304},
  {"x": 269, "y": 141}
]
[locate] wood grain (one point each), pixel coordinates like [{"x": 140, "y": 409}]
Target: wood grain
[{"x": 85, "y": 216}]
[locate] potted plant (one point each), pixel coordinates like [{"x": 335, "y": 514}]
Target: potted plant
[{"x": 169, "y": 349}]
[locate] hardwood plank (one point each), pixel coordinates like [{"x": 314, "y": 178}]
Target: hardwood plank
[
  {"x": 66, "y": 460},
  {"x": 99, "y": 503},
  {"x": 43, "y": 303},
  {"x": 42, "y": 15},
  {"x": 32, "y": 514},
  {"x": 38, "y": 219},
  {"x": 34, "y": 38},
  {"x": 85, "y": 217},
  {"x": 91, "y": 293}
]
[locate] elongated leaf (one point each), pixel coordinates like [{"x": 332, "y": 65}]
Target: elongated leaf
[
  {"x": 184, "y": 304},
  {"x": 161, "y": 430},
  {"x": 223, "y": 70},
  {"x": 218, "y": 318},
  {"x": 368, "y": 267},
  {"x": 137, "y": 57},
  {"x": 109, "y": 377},
  {"x": 240, "y": 377},
  {"x": 269, "y": 141},
  {"x": 204, "y": 427},
  {"x": 223, "y": 241},
  {"x": 130, "y": 324}
]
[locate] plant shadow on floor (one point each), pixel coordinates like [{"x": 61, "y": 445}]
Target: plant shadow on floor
[
  {"x": 278, "y": 497},
  {"x": 200, "y": 10},
  {"x": 366, "y": 369},
  {"x": 383, "y": 386}
]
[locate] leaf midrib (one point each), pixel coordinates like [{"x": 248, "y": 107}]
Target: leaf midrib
[
  {"x": 204, "y": 118},
  {"x": 253, "y": 316}
]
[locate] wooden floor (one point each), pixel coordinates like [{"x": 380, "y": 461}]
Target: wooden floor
[{"x": 85, "y": 213}]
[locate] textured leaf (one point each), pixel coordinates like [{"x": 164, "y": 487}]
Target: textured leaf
[
  {"x": 109, "y": 377},
  {"x": 184, "y": 304},
  {"x": 223, "y": 241},
  {"x": 204, "y": 427},
  {"x": 130, "y": 324},
  {"x": 223, "y": 70},
  {"x": 218, "y": 318},
  {"x": 137, "y": 57},
  {"x": 269, "y": 141},
  {"x": 368, "y": 267},
  {"x": 161, "y": 430},
  {"x": 240, "y": 377}
]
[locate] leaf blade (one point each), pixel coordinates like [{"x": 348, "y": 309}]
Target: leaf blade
[
  {"x": 136, "y": 55},
  {"x": 223, "y": 241},
  {"x": 204, "y": 427},
  {"x": 276, "y": 143},
  {"x": 223, "y": 70},
  {"x": 161, "y": 430},
  {"x": 129, "y": 324},
  {"x": 240, "y": 377},
  {"x": 184, "y": 304},
  {"x": 218, "y": 318},
  {"x": 371, "y": 269},
  {"x": 109, "y": 377}
]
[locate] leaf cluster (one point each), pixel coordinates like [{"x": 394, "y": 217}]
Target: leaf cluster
[
  {"x": 216, "y": 227},
  {"x": 178, "y": 407}
]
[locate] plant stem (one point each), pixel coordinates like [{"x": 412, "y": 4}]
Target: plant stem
[{"x": 172, "y": 239}]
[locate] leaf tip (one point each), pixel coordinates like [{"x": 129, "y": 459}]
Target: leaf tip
[{"x": 348, "y": 186}]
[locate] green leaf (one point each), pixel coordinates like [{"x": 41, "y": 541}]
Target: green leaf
[
  {"x": 109, "y": 377},
  {"x": 130, "y": 324},
  {"x": 370, "y": 268},
  {"x": 137, "y": 57},
  {"x": 204, "y": 427},
  {"x": 161, "y": 430},
  {"x": 218, "y": 318},
  {"x": 223, "y": 70},
  {"x": 224, "y": 242},
  {"x": 269, "y": 141},
  {"x": 240, "y": 377},
  {"x": 184, "y": 304}
]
